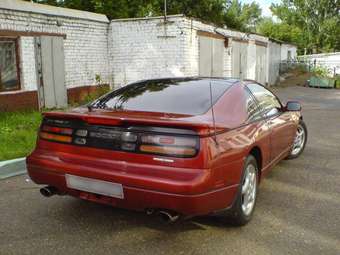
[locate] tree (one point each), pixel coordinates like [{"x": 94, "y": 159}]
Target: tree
[
  {"x": 319, "y": 21},
  {"x": 220, "y": 12},
  {"x": 281, "y": 31},
  {"x": 242, "y": 17}
]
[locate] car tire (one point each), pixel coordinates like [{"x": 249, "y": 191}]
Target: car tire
[
  {"x": 240, "y": 214},
  {"x": 300, "y": 141}
]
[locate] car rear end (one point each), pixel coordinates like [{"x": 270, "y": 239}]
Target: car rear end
[{"x": 154, "y": 163}]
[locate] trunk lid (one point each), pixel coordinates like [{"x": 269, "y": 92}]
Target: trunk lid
[{"x": 198, "y": 123}]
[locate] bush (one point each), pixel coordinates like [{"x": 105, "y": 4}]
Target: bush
[{"x": 321, "y": 71}]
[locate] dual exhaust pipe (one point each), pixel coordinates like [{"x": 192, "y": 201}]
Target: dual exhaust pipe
[
  {"x": 166, "y": 215},
  {"x": 48, "y": 191}
]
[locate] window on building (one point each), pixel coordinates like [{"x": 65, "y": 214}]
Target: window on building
[
  {"x": 289, "y": 55},
  {"x": 9, "y": 73}
]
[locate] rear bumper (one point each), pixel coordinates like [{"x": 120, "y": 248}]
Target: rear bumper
[{"x": 192, "y": 194}]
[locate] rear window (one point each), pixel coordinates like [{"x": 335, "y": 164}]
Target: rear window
[{"x": 184, "y": 96}]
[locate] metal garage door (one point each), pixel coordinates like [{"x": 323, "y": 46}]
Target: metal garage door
[
  {"x": 261, "y": 58},
  {"x": 239, "y": 59},
  {"x": 51, "y": 71},
  {"x": 211, "y": 52}
]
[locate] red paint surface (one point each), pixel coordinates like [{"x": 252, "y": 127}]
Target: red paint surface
[{"x": 200, "y": 185}]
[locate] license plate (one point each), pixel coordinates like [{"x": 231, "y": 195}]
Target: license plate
[{"x": 95, "y": 186}]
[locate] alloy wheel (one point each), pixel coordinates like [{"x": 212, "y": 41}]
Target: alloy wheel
[
  {"x": 299, "y": 140},
  {"x": 249, "y": 190}
]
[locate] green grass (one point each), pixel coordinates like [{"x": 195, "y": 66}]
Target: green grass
[{"x": 18, "y": 133}]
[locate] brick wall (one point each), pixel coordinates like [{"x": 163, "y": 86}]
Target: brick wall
[
  {"x": 147, "y": 48},
  {"x": 119, "y": 52},
  {"x": 86, "y": 44},
  {"x": 192, "y": 27},
  {"x": 78, "y": 94},
  {"x": 28, "y": 75},
  {"x": 273, "y": 62},
  {"x": 19, "y": 101}
]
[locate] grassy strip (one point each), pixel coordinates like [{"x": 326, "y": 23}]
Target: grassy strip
[{"x": 18, "y": 132}]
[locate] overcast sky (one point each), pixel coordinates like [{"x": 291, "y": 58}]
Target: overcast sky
[{"x": 264, "y": 4}]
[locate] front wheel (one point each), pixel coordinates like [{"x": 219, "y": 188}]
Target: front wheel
[
  {"x": 244, "y": 205},
  {"x": 299, "y": 141}
]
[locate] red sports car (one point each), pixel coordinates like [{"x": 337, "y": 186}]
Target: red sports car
[{"x": 174, "y": 147}]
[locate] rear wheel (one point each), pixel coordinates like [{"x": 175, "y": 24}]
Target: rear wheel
[
  {"x": 299, "y": 141},
  {"x": 243, "y": 208}
]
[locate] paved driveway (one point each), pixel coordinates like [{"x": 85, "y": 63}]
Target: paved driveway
[{"x": 298, "y": 209}]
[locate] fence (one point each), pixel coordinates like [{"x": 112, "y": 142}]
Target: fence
[
  {"x": 331, "y": 67},
  {"x": 330, "y": 62},
  {"x": 288, "y": 65}
]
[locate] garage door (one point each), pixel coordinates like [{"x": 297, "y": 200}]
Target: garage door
[
  {"x": 261, "y": 58},
  {"x": 51, "y": 71},
  {"x": 239, "y": 59},
  {"x": 211, "y": 52}
]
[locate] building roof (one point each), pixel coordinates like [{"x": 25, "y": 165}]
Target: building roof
[
  {"x": 19, "y": 5},
  {"x": 148, "y": 18}
]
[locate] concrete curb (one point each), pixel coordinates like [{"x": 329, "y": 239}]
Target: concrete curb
[{"x": 14, "y": 167}]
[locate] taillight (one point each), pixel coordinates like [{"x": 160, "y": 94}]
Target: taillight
[
  {"x": 59, "y": 130},
  {"x": 58, "y": 134},
  {"x": 151, "y": 140},
  {"x": 54, "y": 137},
  {"x": 177, "y": 146}
]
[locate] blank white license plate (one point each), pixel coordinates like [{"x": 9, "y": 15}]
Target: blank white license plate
[{"x": 95, "y": 186}]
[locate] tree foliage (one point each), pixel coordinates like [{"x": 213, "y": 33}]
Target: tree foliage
[
  {"x": 282, "y": 31},
  {"x": 312, "y": 24},
  {"x": 243, "y": 17},
  {"x": 231, "y": 13}
]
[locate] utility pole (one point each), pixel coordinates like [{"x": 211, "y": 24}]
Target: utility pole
[{"x": 165, "y": 11}]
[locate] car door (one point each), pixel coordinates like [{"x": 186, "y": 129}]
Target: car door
[{"x": 280, "y": 122}]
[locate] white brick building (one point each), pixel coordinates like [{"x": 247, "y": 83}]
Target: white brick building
[
  {"x": 57, "y": 53},
  {"x": 288, "y": 51},
  {"x": 145, "y": 48},
  {"x": 85, "y": 49}
]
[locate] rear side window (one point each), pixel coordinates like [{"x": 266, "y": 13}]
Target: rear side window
[
  {"x": 253, "y": 110},
  {"x": 179, "y": 96},
  {"x": 266, "y": 99}
]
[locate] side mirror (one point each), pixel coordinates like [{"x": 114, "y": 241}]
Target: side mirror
[{"x": 293, "y": 106}]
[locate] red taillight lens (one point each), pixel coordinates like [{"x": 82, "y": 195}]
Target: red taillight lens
[
  {"x": 58, "y": 134},
  {"x": 168, "y": 150},
  {"x": 59, "y": 130},
  {"x": 169, "y": 145},
  {"x": 169, "y": 140},
  {"x": 151, "y": 140},
  {"x": 57, "y": 138}
]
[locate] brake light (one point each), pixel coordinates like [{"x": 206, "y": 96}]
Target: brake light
[
  {"x": 169, "y": 140},
  {"x": 59, "y": 130},
  {"x": 135, "y": 139},
  {"x": 167, "y": 150},
  {"x": 58, "y": 134},
  {"x": 169, "y": 145},
  {"x": 54, "y": 137}
]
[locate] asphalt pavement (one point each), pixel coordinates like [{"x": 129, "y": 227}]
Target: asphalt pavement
[{"x": 297, "y": 211}]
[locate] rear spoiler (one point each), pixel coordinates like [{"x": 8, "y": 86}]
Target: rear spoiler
[{"x": 201, "y": 128}]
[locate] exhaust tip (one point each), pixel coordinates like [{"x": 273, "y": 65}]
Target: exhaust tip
[
  {"x": 169, "y": 217},
  {"x": 48, "y": 191}
]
